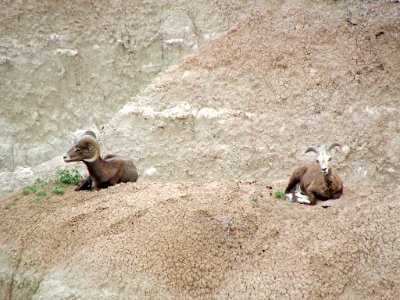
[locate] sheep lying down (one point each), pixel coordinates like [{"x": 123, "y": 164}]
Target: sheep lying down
[
  {"x": 103, "y": 172},
  {"x": 315, "y": 181}
]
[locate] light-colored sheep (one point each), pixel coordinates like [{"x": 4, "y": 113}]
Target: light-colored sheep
[{"x": 315, "y": 181}]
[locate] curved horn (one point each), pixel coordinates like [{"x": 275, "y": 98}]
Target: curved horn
[
  {"x": 312, "y": 149},
  {"x": 92, "y": 145},
  {"x": 87, "y": 132},
  {"x": 333, "y": 146}
]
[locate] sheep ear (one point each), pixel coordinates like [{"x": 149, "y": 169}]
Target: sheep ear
[
  {"x": 333, "y": 146},
  {"x": 312, "y": 149}
]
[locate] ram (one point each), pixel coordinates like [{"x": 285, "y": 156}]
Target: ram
[
  {"x": 315, "y": 181},
  {"x": 103, "y": 172}
]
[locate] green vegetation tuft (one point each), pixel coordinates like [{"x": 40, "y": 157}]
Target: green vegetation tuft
[
  {"x": 58, "y": 190},
  {"x": 29, "y": 189},
  {"x": 69, "y": 177},
  {"x": 41, "y": 182},
  {"x": 42, "y": 190},
  {"x": 42, "y": 193},
  {"x": 279, "y": 195}
]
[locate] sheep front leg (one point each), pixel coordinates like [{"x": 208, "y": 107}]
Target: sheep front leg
[
  {"x": 311, "y": 196},
  {"x": 85, "y": 184}
]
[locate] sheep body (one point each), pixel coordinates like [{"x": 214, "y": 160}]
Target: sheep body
[
  {"x": 315, "y": 181},
  {"x": 103, "y": 172}
]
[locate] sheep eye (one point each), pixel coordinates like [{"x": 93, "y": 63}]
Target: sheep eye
[
  {"x": 78, "y": 150},
  {"x": 330, "y": 158}
]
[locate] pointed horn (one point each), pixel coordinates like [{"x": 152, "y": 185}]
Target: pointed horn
[
  {"x": 312, "y": 149},
  {"x": 333, "y": 146}
]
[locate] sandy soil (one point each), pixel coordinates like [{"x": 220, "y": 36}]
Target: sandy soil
[{"x": 203, "y": 239}]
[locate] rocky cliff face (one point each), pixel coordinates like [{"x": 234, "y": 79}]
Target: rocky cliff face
[
  {"x": 248, "y": 103},
  {"x": 70, "y": 65}
]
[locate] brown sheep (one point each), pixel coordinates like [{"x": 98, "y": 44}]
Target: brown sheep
[
  {"x": 315, "y": 181},
  {"x": 103, "y": 172}
]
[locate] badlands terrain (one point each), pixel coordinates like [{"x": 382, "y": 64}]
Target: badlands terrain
[{"x": 216, "y": 102}]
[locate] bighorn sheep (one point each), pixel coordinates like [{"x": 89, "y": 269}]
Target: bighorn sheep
[
  {"x": 103, "y": 172},
  {"x": 315, "y": 181}
]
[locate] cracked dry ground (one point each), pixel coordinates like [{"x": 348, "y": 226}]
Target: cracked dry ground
[{"x": 202, "y": 239}]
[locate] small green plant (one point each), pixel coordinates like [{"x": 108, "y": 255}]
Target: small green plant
[
  {"x": 8, "y": 206},
  {"x": 58, "y": 190},
  {"x": 41, "y": 182},
  {"x": 279, "y": 195},
  {"x": 29, "y": 189},
  {"x": 69, "y": 177},
  {"x": 36, "y": 200},
  {"x": 42, "y": 193},
  {"x": 17, "y": 198},
  {"x": 254, "y": 199}
]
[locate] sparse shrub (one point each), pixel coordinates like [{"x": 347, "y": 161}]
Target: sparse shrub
[{"x": 36, "y": 200}]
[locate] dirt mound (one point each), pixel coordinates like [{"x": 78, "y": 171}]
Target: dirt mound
[{"x": 225, "y": 239}]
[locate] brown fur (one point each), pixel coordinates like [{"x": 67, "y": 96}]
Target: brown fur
[
  {"x": 103, "y": 172},
  {"x": 314, "y": 183}
]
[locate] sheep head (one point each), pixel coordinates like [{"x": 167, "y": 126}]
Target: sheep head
[
  {"x": 324, "y": 156},
  {"x": 86, "y": 148}
]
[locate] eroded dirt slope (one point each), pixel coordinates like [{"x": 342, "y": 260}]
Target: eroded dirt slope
[
  {"x": 291, "y": 75},
  {"x": 213, "y": 239},
  {"x": 248, "y": 103},
  {"x": 69, "y": 65}
]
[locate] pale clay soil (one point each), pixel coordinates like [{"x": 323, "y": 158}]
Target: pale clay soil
[{"x": 215, "y": 125}]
